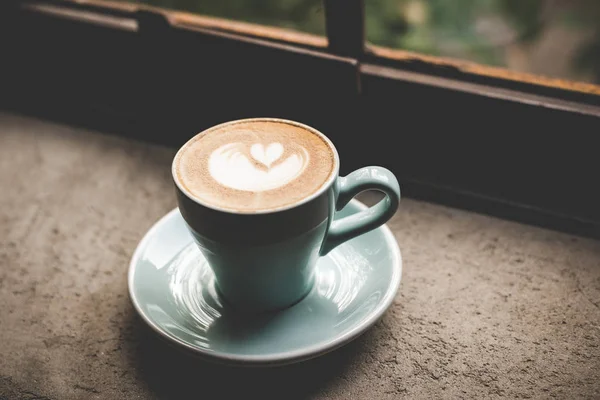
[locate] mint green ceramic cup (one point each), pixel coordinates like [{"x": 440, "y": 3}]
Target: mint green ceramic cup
[{"x": 265, "y": 261}]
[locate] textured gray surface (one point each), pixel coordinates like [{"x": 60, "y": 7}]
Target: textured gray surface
[{"x": 486, "y": 308}]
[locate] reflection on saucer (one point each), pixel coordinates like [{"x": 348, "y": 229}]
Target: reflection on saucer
[
  {"x": 340, "y": 277},
  {"x": 342, "y": 283},
  {"x": 191, "y": 283}
]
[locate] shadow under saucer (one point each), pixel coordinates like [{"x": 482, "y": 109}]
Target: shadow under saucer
[{"x": 173, "y": 373}]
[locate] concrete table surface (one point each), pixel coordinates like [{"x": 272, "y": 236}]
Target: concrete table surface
[{"x": 486, "y": 309}]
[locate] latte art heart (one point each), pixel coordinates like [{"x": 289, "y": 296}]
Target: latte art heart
[
  {"x": 266, "y": 155},
  {"x": 231, "y": 166}
]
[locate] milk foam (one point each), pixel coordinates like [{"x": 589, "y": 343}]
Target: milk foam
[
  {"x": 231, "y": 165},
  {"x": 255, "y": 165}
]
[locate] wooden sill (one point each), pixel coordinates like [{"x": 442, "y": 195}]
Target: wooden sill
[
  {"x": 248, "y": 29},
  {"x": 483, "y": 70}
]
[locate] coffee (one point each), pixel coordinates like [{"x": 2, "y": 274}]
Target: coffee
[{"x": 255, "y": 165}]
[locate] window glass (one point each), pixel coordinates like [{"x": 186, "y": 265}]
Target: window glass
[
  {"x": 555, "y": 38},
  {"x": 301, "y": 15}
]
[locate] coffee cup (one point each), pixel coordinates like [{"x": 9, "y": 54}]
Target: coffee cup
[{"x": 259, "y": 197}]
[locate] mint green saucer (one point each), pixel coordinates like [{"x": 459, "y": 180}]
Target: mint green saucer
[{"x": 172, "y": 288}]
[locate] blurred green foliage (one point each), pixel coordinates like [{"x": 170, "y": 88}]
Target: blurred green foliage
[
  {"x": 478, "y": 30},
  {"x": 526, "y": 16}
]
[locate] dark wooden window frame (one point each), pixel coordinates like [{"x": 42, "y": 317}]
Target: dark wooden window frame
[{"x": 486, "y": 139}]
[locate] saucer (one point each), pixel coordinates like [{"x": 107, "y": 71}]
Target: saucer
[{"x": 173, "y": 290}]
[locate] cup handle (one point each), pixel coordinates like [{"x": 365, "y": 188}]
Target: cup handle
[{"x": 367, "y": 178}]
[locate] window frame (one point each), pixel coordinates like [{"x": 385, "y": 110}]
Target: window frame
[{"x": 361, "y": 79}]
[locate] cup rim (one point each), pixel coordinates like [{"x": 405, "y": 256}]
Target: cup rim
[{"x": 326, "y": 185}]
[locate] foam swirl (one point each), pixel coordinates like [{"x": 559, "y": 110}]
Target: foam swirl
[{"x": 257, "y": 169}]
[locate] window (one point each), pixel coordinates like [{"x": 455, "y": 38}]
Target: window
[
  {"x": 456, "y": 132},
  {"x": 555, "y": 38}
]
